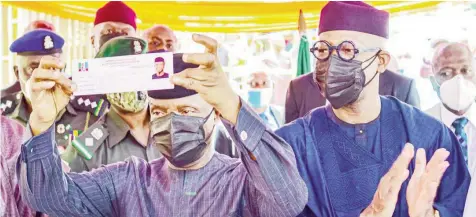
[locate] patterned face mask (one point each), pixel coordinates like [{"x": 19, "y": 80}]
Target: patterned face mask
[{"x": 128, "y": 101}]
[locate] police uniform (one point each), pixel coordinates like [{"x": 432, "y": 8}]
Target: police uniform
[
  {"x": 73, "y": 119},
  {"x": 109, "y": 140},
  {"x": 15, "y": 87}
]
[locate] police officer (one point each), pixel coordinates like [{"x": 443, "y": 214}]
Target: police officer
[
  {"x": 112, "y": 20},
  {"x": 37, "y": 24},
  {"x": 124, "y": 130},
  {"x": 31, "y": 48}
]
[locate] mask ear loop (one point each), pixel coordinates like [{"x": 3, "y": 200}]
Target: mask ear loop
[
  {"x": 376, "y": 73},
  {"x": 213, "y": 129}
]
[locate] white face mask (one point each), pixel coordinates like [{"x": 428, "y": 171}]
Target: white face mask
[{"x": 458, "y": 93}]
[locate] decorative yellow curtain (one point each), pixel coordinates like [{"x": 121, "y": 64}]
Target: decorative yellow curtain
[{"x": 212, "y": 16}]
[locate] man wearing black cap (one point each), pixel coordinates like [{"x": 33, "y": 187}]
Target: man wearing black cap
[
  {"x": 191, "y": 180},
  {"x": 124, "y": 131},
  {"x": 30, "y": 48}
]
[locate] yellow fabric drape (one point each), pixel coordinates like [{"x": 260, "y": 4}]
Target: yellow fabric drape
[{"x": 212, "y": 16}]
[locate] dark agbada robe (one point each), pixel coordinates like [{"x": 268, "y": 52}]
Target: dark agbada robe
[
  {"x": 342, "y": 165},
  {"x": 267, "y": 185}
]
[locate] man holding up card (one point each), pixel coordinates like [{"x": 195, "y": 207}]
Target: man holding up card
[
  {"x": 30, "y": 48},
  {"x": 124, "y": 130},
  {"x": 192, "y": 180}
]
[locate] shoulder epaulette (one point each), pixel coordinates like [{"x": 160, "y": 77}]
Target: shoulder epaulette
[
  {"x": 90, "y": 140},
  {"x": 9, "y": 102},
  {"x": 94, "y": 104}
]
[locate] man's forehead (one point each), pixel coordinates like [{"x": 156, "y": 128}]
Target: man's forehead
[
  {"x": 36, "y": 58},
  {"x": 453, "y": 54},
  {"x": 110, "y": 24},
  {"x": 161, "y": 32},
  {"x": 358, "y": 38},
  {"x": 259, "y": 76},
  {"x": 193, "y": 101}
]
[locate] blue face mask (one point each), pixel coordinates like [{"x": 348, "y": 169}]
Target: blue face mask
[
  {"x": 259, "y": 98},
  {"x": 288, "y": 47},
  {"x": 436, "y": 86}
]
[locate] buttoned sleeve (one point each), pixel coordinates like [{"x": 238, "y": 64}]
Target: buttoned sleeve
[
  {"x": 46, "y": 188},
  {"x": 274, "y": 186}
]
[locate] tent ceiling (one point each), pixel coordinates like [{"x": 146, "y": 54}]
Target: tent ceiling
[{"x": 213, "y": 16}]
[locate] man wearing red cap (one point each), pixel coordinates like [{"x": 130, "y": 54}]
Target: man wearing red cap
[
  {"x": 356, "y": 154},
  {"x": 112, "y": 20},
  {"x": 160, "y": 37}
]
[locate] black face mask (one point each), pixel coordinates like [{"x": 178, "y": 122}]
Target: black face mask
[
  {"x": 345, "y": 80},
  {"x": 105, "y": 38},
  {"x": 181, "y": 139}
]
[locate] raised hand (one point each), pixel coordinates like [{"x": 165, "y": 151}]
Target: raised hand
[
  {"x": 209, "y": 80},
  {"x": 386, "y": 197},
  {"x": 48, "y": 91},
  {"x": 423, "y": 185}
]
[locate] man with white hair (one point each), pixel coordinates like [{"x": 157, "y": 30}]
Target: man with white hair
[{"x": 454, "y": 81}]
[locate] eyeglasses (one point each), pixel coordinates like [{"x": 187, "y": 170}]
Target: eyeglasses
[{"x": 346, "y": 50}]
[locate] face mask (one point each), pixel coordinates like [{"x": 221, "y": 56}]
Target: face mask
[
  {"x": 259, "y": 98},
  {"x": 181, "y": 139},
  {"x": 457, "y": 93},
  {"x": 345, "y": 80},
  {"x": 128, "y": 101},
  {"x": 104, "y": 38},
  {"x": 435, "y": 85}
]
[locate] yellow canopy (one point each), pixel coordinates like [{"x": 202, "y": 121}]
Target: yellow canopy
[{"x": 212, "y": 16}]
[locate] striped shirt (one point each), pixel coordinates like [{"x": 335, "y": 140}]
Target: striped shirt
[
  {"x": 11, "y": 204},
  {"x": 263, "y": 182}
]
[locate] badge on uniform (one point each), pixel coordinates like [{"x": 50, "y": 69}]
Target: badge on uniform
[
  {"x": 97, "y": 133},
  {"x": 60, "y": 129},
  {"x": 89, "y": 142},
  {"x": 48, "y": 42},
  {"x": 137, "y": 47}
]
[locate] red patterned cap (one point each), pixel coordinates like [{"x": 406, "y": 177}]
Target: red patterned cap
[{"x": 116, "y": 11}]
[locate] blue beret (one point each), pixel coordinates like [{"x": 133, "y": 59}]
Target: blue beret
[
  {"x": 38, "y": 42},
  {"x": 178, "y": 91}
]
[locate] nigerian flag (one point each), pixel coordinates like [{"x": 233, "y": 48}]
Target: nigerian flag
[{"x": 303, "y": 61}]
